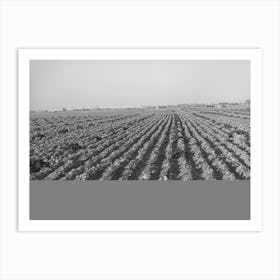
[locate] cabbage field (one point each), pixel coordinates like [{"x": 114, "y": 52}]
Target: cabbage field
[{"x": 161, "y": 143}]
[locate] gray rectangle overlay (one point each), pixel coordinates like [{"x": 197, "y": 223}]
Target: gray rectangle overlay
[{"x": 139, "y": 200}]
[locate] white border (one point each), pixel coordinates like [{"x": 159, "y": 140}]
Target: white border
[{"x": 254, "y": 55}]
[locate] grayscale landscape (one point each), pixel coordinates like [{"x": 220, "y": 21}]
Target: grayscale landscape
[{"x": 140, "y": 120}]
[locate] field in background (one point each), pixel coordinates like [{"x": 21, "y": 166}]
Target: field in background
[{"x": 159, "y": 143}]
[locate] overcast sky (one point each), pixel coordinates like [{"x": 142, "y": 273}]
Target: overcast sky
[{"x": 56, "y": 83}]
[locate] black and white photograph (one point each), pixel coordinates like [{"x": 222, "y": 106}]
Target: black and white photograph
[
  {"x": 140, "y": 140},
  {"x": 166, "y": 135},
  {"x": 140, "y": 120}
]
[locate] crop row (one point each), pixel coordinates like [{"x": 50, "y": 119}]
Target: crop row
[{"x": 175, "y": 144}]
